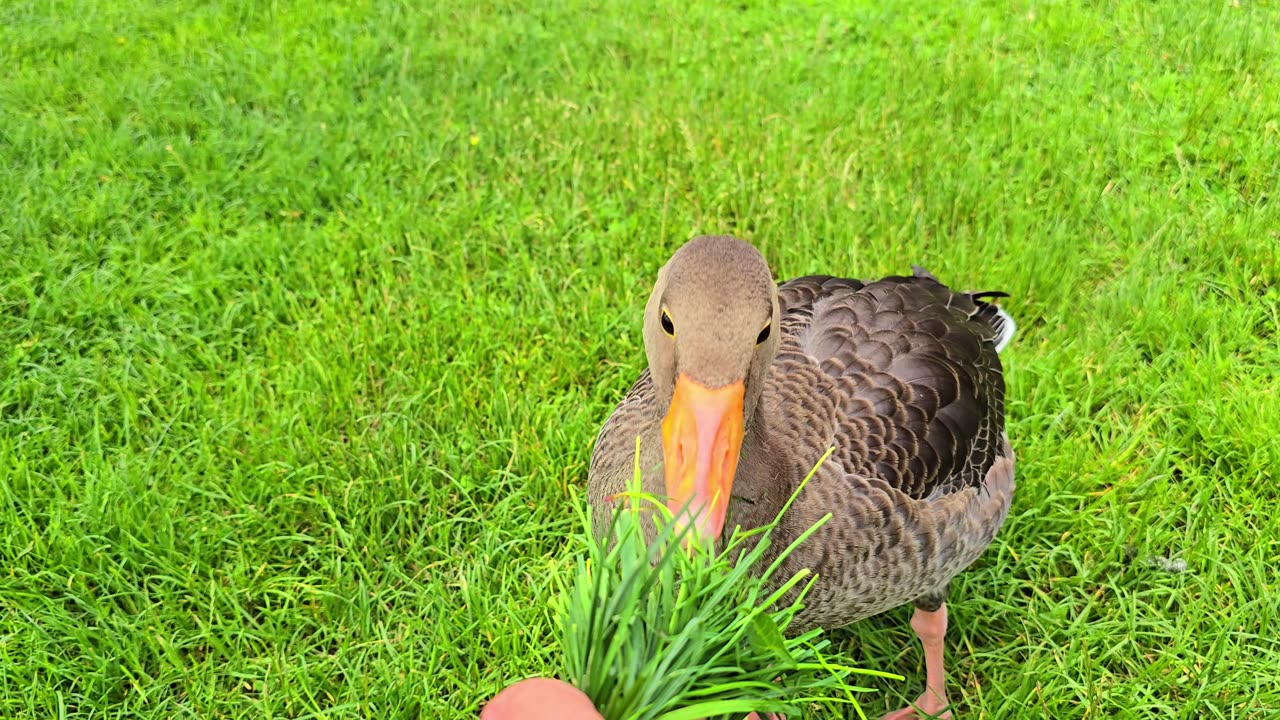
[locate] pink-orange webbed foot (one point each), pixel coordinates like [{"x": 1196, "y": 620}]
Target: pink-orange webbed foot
[
  {"x": 927, "y": 706},
  {"x": 930, "y": 627}
]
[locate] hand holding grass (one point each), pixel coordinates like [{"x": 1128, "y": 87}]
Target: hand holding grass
[{"x": 672, "y": 630}]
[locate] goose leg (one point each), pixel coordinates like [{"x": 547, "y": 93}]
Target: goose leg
[{"x": 931, "y": 627}]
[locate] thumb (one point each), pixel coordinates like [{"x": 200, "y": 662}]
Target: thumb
[{"x": 540, "y": 699}]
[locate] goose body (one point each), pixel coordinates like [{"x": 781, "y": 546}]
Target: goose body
[{"x": 750, "y": 382}]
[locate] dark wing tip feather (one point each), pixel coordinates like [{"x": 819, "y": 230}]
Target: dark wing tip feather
[{"x": 988, "y": 294}]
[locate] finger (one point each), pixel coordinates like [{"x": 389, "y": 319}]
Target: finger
[{"x": 540, "y": 699}]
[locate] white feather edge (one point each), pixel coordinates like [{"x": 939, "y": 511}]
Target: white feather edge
[{"x": 1006, "y": 328}]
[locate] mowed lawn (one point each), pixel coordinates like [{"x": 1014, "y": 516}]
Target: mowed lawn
[{"x": 310, "y": 312}]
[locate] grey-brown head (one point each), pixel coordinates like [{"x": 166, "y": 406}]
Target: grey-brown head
[{"x": 710, "y": 333}]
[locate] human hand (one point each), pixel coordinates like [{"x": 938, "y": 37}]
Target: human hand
[
  {"x": 540, "y": 699},
  {"x": 545, "y": 699}
]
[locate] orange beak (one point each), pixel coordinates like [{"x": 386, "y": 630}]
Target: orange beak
[{"x": 701, "y": 439}]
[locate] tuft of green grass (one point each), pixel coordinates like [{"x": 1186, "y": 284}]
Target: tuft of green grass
[
  {"x": 666, "y": 629},
  {"x": 309, "y": 311}
]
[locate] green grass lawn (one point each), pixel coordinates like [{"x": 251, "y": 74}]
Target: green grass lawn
[{"x": 309, "y": 316}]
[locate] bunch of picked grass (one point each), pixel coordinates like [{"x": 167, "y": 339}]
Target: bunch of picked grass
[{"x": 668, "y": 630}]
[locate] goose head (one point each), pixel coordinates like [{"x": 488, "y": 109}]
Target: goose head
[{"x": 710, "y": 334}]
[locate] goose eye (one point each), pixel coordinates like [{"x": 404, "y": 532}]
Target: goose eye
[
  {"x": 764, "y": 334},
  {"x": 667, "y": 326}
]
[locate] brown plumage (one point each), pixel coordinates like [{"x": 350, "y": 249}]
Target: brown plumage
[{"x": 750, "y": 382}]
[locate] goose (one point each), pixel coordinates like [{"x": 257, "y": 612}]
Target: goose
[{"x": 749, "y": 382}]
